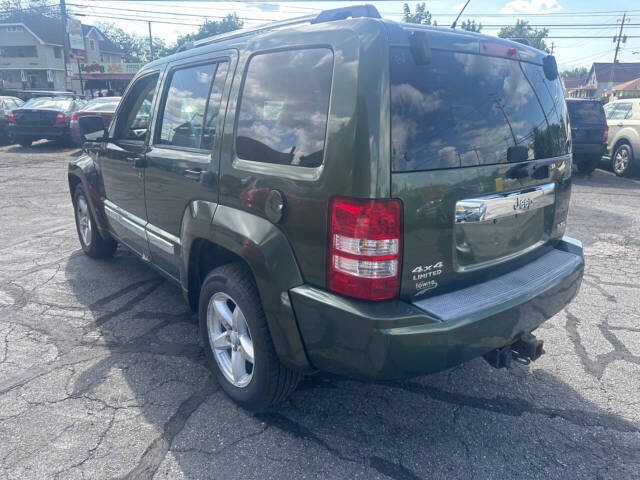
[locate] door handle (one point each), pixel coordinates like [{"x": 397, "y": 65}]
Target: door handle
[
  {"x": 193, "y": 173},
  {"x": 620, "y": 125}
]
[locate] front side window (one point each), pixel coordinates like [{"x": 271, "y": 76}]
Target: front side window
[
  {"x": 185, "y": 105},
  {"x": 463, "y": 110},
  {"x": 284, "y": 107},
  {"x": 134, "y": 117},
  {"x": 621, "y": 111}
]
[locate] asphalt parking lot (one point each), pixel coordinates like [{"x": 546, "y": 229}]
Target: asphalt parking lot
[{"x": 102, "y": 374}]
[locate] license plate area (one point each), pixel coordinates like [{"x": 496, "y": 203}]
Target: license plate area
[{"x": 496, "y": 228}]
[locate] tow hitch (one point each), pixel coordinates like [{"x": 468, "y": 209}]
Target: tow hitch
[{"x": 523, "y": 350}]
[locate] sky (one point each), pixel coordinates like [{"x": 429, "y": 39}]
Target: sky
[{"x": 567, "y": 18}]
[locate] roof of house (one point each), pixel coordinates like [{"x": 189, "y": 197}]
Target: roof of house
[
  {"x": 630, "y": 85},
  {"x": 49, "y": 30},
  {"x": 572, "y": 81},
  {"x": 622, "y": 73}
]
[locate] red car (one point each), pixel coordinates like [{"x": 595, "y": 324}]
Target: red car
[{"x": 103, "y": 106}]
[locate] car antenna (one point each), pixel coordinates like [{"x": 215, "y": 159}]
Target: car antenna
[{"x": 455, "y": 22}]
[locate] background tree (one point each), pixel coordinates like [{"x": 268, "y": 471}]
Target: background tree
[
  {"x": 9, "y": 8},
  {"x": 421, "y": 15},
  {"x": 522, "y": 29},
  {"x": 209, "y": 27},
  {"x": 575, "y": 72},
  {"x": 471, "y": 26},
  {"x": 135, "y": 47}
]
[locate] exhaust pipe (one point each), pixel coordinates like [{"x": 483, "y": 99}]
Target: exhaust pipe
[{"x": 523, "y": 350}]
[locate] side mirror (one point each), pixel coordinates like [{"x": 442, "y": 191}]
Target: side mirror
[
  {"x": 92, "y": 128},
  {"x": 550, "y": 67}
]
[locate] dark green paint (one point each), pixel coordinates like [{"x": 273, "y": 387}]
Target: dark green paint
[{"x": 227, "y": 207}]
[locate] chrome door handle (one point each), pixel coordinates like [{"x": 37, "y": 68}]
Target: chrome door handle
[{"x": 195, "y": 173}]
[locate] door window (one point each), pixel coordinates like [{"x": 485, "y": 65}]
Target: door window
[
  {"x": 135, "y": 114},
  {"x": 621, "y": 111},
  {"x": 284, "y": 107},
  {"x": 191, "y": 106}
]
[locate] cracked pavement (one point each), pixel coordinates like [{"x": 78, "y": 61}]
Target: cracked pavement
[{"x": 102, "y": 374}]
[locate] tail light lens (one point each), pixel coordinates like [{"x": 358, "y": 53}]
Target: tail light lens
[
  {"x": 74, "y": 117},
  {"x": 365, "y": 248},
  {"x": 61, "y": 118},
  {"x": 605, "y": 134},
  {"x": 12, "y": 118}
]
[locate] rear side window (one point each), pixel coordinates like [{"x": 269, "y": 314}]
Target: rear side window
[
  {"x": 586, "y": 112},
  {"x": 619, "y": 111},
  {"x": 463, "y": 110},
  {"x": 284, "y": 106}
]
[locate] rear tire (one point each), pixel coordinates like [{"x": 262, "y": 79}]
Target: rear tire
[
  {"x": 25, "y": 142},
  {"x": 622, "y": 161},
  {"x": 231, "y": 313},
  {"x": 587, "y": 165},
  {"x": 91, "y": 241}
]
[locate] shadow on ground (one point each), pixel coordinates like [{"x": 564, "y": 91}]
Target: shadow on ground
[{"x": 469, "y": 421}]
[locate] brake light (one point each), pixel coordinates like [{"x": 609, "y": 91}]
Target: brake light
[
  {"x": 75, "y": 116},
  {"x": 61, "y": 118},
  {"x": 365, "y": 247},
  {"x": 12, "y": 118},
  {"x": 605, "y": 134}
]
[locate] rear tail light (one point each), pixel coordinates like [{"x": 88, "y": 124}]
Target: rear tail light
[
  {"x": 365, "y": 247},
  {"x": 75, "y": 116},
  {"x": 12, "y": 118},
  {"x": 61, "y": 118},
  {"x": 605, "y": 134}
]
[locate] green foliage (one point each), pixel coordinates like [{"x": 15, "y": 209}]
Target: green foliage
[
  {"x": 576, "y": 72},
  {"x": 471, "y": 26},
  {"x": 9, "y": 8},
  {"x": 421, "y": 15},
  {"x": 209, "y": 27},
  {"x": 522, "y": 29},
  {"x": 135, "y": 47}
]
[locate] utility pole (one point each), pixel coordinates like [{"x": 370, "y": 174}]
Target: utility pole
[
  {"x": 150, "y": 40},
  {"x": 617, "y": 40},
  {"x": 552, "y": 47},
  {"x": 65, "y": 41}
]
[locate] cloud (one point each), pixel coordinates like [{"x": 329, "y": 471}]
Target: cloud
[
  {"x": 531, "y": 6},
  {"x": 265, "y": 7}
]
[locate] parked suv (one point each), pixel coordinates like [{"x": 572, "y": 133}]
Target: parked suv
[
  {"x": 623, "y": 118},
  {"x": 589, "y": 132},
  {"x": 352, "y": 195}
]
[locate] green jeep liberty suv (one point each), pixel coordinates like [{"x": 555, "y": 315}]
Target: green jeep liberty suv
[{"x": 342, "y": 193}]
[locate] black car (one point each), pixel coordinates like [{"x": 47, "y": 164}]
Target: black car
[
  {"x": 6, "y": 105},
  {"x": 44, "y": 117},
  {"x": 589, "y": 132}
]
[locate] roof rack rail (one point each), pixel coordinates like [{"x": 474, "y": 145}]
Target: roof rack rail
[{"x": 325, "y": 16}]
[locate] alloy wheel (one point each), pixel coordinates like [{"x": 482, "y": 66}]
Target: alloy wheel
[
  {"x": 621, "y": 161},
  {"x": 84, "y": 220},
  {"x": 230, "y": 339}
]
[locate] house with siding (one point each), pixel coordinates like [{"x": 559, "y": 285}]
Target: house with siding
[
  {"x": 31, "y": 53},
  {"x": 603, "y": 76}
]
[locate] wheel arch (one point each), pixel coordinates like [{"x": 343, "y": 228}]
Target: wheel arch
[
  {"x": 84, "y": 172},
  {"x": 213, "y": 235}
]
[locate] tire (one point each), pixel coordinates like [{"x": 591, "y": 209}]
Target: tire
[
  {"x": 91, "y": 241},
  {"x": 587, "y": 165},
  {"x": 260, "y": 384},
  {"x": 25, "y": 142},
  {"x": 622, "y": 161}
]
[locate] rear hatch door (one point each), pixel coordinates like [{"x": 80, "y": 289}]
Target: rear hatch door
[
  {"x": 480, "y": 161},
  {"x": 587, "y": 121}
]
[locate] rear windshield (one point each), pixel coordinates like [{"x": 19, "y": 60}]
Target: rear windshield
[
  {"x": 463, "y": 110},
  {"x": 101, "y": 106},
  {"x": 586, "y": 112},
  {"x": 48, "y": 103}
]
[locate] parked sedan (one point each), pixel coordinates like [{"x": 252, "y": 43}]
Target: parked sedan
[
  {"x": 6, "y": 105},
  {"x": 623, "y": 147},
  {"x": 105, "y": 107},
  {"x": 44, "y": 117}
]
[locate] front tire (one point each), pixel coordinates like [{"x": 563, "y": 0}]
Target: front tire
[
  {"x": 237, "y": 342},
  {"x": 622, "y": 160},
  {"x": 92, "y": 243}
]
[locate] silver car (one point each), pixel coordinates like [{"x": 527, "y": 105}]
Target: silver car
[{"x": 623, "y": 146}]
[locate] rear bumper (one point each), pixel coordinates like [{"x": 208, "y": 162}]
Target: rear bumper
[
  {"x": 589, "y": 149},
  {"x": 37, "y": 132},
  {"x": 396, "y": 339}
]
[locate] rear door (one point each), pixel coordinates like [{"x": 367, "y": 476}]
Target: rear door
[
  {"x": 480, "y": 161},
  {"x": 182, "y": 162},
  {"x": 617, "y": 114}
]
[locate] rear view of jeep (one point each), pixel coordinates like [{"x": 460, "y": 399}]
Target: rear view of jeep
[{"x": 467, "y": 255}]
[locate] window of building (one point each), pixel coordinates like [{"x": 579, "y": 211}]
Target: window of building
[
  {"x": 102, "y": 57},
  {"x": 190, "y": 98},
  {"x": 14, "y": 28},
  {"x": 57, "y": 52},
  {"x": 284, "y": 107},
  {"x": 19, "y": 51},
  {"x": 92, "y": 44}
]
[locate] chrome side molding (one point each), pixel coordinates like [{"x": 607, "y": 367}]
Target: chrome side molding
[{"x": 491, "y": 207}]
